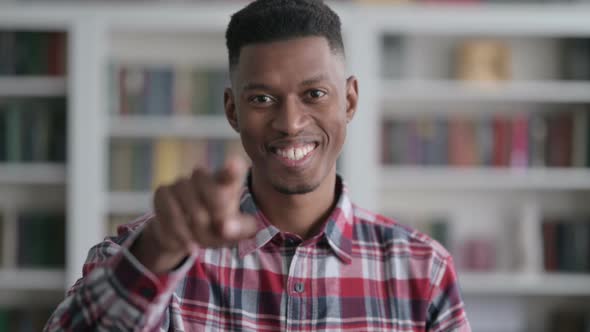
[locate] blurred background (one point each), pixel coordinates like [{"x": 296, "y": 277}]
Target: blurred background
[{"x": 473, "y": 126}]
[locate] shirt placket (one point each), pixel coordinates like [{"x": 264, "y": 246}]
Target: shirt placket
[{"x": 296, "y": 290}]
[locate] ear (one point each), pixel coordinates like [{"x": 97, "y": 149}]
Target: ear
[
  {"x": 352, "y": 96},
  {"x": 230, "y": 109}
]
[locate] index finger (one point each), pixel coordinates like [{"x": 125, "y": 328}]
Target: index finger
[{"x": 233, "y": 174}]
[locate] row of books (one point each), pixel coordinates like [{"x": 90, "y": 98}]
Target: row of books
[
  {"x": 23, "y": 320},
  {"x": 33, "y": 53},
  {"x": 33, "y": 130},
  {"x": 490, "y": 60},
  {"x": 558, "y": 139},
  {"x": 570, "y": 320},
  {"x": 471, "y": 254},
  {"x": 41, "y": 240},
  {"x": 566, "y": 245},
  {"x": 167, "y": 90},
  {"x": 139, "y": 165}
]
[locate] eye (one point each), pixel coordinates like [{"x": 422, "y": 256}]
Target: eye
[
  {"x": 315, "y": 94},
  {"x": 261, "y": 99}
]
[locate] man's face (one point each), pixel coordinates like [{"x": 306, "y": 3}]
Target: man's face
[{"x": 291, "y": 103}]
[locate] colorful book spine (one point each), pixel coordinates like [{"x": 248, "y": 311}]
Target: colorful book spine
[
  {"x": 33, "y": 53},
  {"x": 167, "y": 161},
  {"x": 559, "y": 140},
  {"x": 520, "y": 140}
]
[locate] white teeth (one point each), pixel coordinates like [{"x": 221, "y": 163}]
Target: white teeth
[
  {"x": 295, "y": 153},
  {"x": 299, "y": 154}
]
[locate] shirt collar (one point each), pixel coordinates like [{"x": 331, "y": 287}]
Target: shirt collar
[{"x": 337, "y": 229}]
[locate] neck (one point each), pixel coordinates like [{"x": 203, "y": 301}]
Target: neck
[{"x": 301, "y": 214}]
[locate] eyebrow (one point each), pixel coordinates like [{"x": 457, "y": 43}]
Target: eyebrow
[
  {"x": 261, "y": 86},
  {"x": 256, "y": 86},
  {"x": 314, "y": 80}
]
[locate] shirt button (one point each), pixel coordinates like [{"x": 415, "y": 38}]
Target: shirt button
[{"x": 299, "y": 287}]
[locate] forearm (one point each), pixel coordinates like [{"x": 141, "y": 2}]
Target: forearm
[{"x": 116, "y": 293}]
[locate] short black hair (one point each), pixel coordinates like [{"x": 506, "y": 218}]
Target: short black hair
[{"x": 264, "y": 21}]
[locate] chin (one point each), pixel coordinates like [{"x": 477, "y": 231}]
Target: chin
[{"x": 295, "y": 189}]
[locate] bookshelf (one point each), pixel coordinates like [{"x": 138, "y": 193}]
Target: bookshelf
[
  {"x": 32, "y": 174},
  {"x": 41, "y": 86},
  {"x": 452, "y": 91},
  {"x": 449, "y": 178},
  {"x": 195, "y": 127},
  {"x": 480, "y": 200}
]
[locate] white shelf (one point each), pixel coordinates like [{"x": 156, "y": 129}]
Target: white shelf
[
  {"x": 41, "y": 86},
  {"x": 32, "y": 279},
  {"x": 446, "y": 178},
  {"x": 511, "y": 91},
  {"x": 483, "y": 19},
  {"x": 123, "y": 203},
  {"x": 525, "y": 284},
  {"x": 201, "y": 126},
  {"x": 32, "y": 174}
]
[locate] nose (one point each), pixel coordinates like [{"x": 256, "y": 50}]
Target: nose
[{"x": 291, "y": 117}]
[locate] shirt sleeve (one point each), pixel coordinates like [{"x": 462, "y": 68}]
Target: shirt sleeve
[
  {"x": 446, "y": 312},
  {"x": 116, "y": 292}
]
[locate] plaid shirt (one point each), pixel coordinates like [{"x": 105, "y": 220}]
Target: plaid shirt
[{"x": 363, "y": 272}]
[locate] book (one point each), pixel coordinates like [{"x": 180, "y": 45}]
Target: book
[
  {"x": 462, "y": 148},
  {"x": 392, "y": 57},
  {"x": 121, "y": 166},
  {"x": 158, "y": 97},
  {"x": 538, "y": 140},
  {"x": 167, "y": 161},
  {"x": 134, "y": 86},
  {"x": 200, "y": 97},
  {"x": 7, "y": 54},
  {"x": 141, "y": 165},
  {"x": 42, "y": 132},
  {"x": 3, "y": 132},
  {"x": 485, "y": 140},
  {"x": 520, "y": 142},
  {"x": 13, "y": 133},
  {"x": 7, "y": 321},
  {"x": 569, "y": 321},
  {"x": 478, "y": 254},
  {"x": 386, "y": 144},
  {"x": 218, "y": 80},
  {"x": 580, "y": 137},
  {"x": 550, "y": 236},
  {"x": 2, "y": 227},
  {"x": 483, "y": 60},
  {"x": 32, "y": 53},
  {"x": 41, "y": 240},
  {"x": 183, "y": 91},
  {"x": 559, "y": 140},
  {"x": 580, "y": 246},
  {"x": 576, "y": 58},
  {"x": 27, "y": 116},
  {"x": 502, "y": 141},
  {"x": 59, "y": 130},
  {"x": 57, "y": 54}
]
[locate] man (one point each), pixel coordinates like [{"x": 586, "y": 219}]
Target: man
[{"x": 287, "y": 251}]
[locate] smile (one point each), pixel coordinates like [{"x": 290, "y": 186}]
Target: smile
[{"x": 296, "y": 154}]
